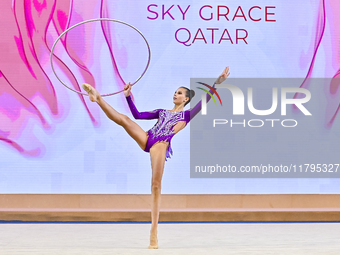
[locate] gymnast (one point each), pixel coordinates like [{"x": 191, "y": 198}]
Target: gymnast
[{"x": 157, "y": 139}]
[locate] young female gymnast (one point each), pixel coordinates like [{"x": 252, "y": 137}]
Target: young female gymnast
[{"x": 157, "y": 139}]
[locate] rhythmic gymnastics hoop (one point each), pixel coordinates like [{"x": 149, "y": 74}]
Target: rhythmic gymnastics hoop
[{"x": 92, "y": 20}]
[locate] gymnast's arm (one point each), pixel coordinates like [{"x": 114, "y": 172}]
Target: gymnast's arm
[
  {"x": 141, "y": 115},
  {"x": 190, "y": 114},
  {"x": 197, "y": 108}
]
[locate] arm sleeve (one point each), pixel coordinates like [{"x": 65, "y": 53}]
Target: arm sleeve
[
  {"x": 141, "y": 115},
  {"x": 190, "y": 114}
]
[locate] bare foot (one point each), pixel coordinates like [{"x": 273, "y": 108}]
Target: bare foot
[
  {"x": 153, "y": 241},
  {"x": 93, "y": 93}
]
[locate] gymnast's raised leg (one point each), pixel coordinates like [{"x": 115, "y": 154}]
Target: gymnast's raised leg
[{"x": 131, "y": 127}]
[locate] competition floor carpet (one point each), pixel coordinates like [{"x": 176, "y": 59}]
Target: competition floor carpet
[{"x": 173, "y": 238}]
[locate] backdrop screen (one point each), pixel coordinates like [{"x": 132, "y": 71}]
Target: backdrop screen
[{"x": 56, "y": 141}]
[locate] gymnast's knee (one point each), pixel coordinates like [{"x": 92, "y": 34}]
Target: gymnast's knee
[
  {"x": 124, "y": 120},
  {"x": 156, "y": 187}
]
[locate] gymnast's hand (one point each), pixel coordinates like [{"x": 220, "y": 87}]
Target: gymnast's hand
[
  {"x": 223, "y": 76},
  {"x": 127, "y": 89}
]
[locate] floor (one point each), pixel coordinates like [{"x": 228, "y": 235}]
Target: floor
[{"x": 174, "y": 238}]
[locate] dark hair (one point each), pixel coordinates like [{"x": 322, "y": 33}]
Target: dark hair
[{"x": 189, "y": 93}]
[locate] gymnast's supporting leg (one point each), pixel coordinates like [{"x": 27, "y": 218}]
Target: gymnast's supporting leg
[
  {"x": 157, "y": 155},
  {"x": 131, "y": 127}
]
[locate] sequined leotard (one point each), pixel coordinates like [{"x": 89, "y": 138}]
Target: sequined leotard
[{"x": 163, "y": 129}]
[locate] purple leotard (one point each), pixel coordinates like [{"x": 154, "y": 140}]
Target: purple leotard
[{"x": 162, "y": 130}]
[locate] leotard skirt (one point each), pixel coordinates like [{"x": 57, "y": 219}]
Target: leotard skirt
[{"x": 152, "y": 140}]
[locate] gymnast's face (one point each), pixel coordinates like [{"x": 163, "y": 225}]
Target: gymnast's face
[{"x": 180, "y": 96}]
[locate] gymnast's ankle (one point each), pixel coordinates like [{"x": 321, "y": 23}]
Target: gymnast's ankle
[{"x": 92, "y": 92}]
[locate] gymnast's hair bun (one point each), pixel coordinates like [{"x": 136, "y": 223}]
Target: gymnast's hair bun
[{"x": 192, "y": 93}]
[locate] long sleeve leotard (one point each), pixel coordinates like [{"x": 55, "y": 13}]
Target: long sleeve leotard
[{"x": 163, "y": 129}]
